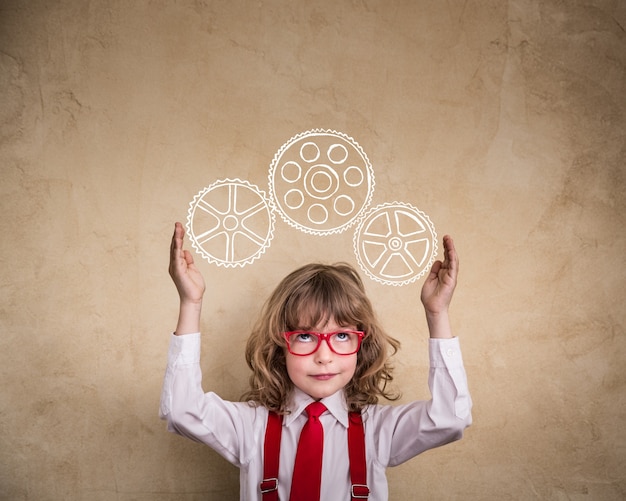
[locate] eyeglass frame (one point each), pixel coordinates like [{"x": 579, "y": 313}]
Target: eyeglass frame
[{"x": 324, "y": 337}]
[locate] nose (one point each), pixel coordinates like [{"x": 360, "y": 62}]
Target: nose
[{"x": 324, "y": 354}]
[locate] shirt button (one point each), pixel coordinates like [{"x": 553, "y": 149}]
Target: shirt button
[{"x": 450, "y": 352}]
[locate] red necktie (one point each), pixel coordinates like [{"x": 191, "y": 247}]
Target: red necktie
[{"x": 307, "y": 473}]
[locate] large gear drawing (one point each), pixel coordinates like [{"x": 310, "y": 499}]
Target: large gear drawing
[
  {"x": 395, "y": 243},
  {"x": 321, "y": 182},
  {"x": 230, "y": 223}
]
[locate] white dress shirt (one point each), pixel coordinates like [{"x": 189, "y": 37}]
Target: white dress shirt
[{"x": 393, "y": 433}]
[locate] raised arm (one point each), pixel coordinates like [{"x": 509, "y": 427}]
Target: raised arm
[
  {"x": 189, "y": 283},
  {"x": 438, "y": 289}
]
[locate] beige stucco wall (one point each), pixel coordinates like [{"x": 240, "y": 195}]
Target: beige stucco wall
[{"x": 504, "y": 121}]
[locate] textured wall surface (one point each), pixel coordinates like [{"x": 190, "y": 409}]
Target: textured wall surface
[{"x": 504, "y": 121}]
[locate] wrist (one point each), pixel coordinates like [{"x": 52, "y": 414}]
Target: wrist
[
  {"x": 188, "y": 318},
  {"x": 439, "y": 324},
  {"x": 191, "y": 304}
]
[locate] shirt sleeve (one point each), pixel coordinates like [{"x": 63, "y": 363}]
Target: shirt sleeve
[
  {"x": 404, "y": 431},
  {"x": 184, "y": 351},
  {"x": 227, "y": 427}
]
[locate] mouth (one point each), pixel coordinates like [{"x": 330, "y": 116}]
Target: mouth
[{"x": 323, "y": 377}]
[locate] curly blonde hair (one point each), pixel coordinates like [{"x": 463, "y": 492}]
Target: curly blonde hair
[{"x": 317, "y": 293}]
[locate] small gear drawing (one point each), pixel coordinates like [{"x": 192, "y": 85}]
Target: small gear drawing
[
  {"x": 230, "y": 223},
  {"x": 321, "y": 182},
  {"x": 395, "y": 243}
]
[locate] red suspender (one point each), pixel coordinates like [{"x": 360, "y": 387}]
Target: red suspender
[
  {"x": 356, "y": 451},
  {"x": 271, "y": 457}
]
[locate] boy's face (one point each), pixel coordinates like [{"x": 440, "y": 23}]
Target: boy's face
[{"x": 324, "y": 372}]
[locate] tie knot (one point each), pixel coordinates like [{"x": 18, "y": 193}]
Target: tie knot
[{"x": 316, "y": 409}]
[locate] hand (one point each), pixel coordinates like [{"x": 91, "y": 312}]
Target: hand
[
  {"x": 186, "y": 276},
  {"x": 439, "y": 285}
]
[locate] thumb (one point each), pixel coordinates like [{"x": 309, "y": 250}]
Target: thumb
[
  {"x": 188, "y": 257},
  {"x": 434, "y": 270}
]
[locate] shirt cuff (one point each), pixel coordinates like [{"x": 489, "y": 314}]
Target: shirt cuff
[
  {"x": 184, "y": 350},
  {"x": 445, "y": 352}
]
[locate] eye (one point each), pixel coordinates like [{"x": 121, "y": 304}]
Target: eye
[
  {"x": 342, "y": 336},
  {"x": 303, "y": 337}
]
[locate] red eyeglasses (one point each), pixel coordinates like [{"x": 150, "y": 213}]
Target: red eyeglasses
[{"x": 344, "y": 342}]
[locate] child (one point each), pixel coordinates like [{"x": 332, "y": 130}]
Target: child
[{"x": 317, "y": 339}]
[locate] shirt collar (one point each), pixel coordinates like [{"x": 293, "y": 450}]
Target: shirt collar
[{"x": 335, "y": 403}]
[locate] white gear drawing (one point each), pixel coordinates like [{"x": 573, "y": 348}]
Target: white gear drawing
[
  {"x": 230, "y": 223},
  {"x": 395, "y": 243},
  {"x": 321, "y": 182}
]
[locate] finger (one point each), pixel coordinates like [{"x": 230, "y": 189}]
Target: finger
[
  {"x": 452, "y": 259},
  {"x": 176, "y": 249},
  {"x": 450, "y": 251},
  {"x": 179, "y": 232},
  {"x": 177, "y": 240}
]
